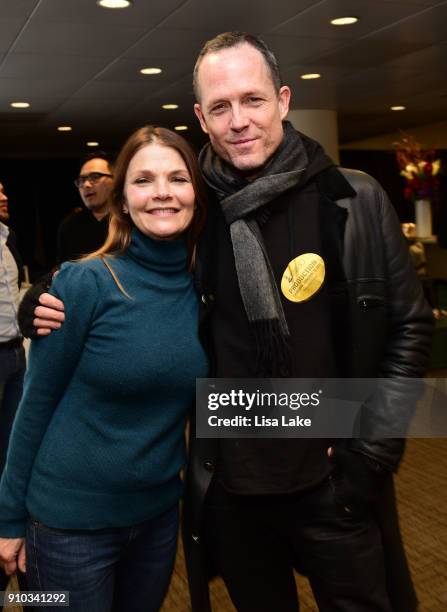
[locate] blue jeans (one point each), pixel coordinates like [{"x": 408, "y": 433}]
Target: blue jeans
[{"x": 126, "y": 569}]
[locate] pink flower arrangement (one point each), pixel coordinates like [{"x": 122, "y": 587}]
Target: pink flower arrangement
[{"x": 419, "y": 168}]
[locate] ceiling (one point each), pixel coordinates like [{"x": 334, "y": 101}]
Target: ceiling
[{"x": 78, "y": 64}]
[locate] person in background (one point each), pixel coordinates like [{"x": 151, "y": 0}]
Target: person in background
[
  {"x": 12, "y": 353},
  {"x": 91, "y": 486},
  {"x": 430, "y": 285},
  {"x": 83, "y": 231}
]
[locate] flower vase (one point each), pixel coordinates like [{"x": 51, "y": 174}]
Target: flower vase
[{"x": 423, "y": 218}]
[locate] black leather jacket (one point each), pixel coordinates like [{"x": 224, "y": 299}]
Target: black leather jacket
[
  {"x": 392, "y": 325},
  {"x": 389, "y": 326}
]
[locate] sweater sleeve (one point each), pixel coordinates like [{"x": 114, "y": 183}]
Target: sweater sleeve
[{"x": 52, "y": 362}]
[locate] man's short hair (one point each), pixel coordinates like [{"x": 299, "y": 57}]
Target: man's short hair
[
  {"x": 96, "y": 155},
  {"x": 227, "y": 40}
]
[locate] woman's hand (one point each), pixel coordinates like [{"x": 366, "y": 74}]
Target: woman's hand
[{"x": 12, "y": 555}]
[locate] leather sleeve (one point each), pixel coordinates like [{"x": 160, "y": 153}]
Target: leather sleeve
[
  {"x": 26, "y": 316},
  {"x": 409, "y": 320}
]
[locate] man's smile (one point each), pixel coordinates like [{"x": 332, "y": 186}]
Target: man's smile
[{"x": 242, "y": 142}]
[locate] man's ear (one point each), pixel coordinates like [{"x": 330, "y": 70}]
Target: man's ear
[
  {"x": 200, "y": 117},
  {"x": 284, "y": 101}
]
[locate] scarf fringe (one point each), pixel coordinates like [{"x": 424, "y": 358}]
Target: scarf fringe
[{"x": 273, "y": 358}]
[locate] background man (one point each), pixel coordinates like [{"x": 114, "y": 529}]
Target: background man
[
  {"x": 86, "y": 230},
  {"x": 83, "y": 231},
  {"x": 261, "y": 507},
  {"x": 12, "y": 354}
]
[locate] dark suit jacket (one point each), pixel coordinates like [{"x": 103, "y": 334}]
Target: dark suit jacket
[{"x": 11, "y": 243}]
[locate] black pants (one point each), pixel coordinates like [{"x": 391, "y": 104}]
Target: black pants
[
  {"x": 21, "y": 578},
  {"x": 256, "y": 542},
  {"x": 4, "y": 579},
  {"x": 12, "y": 370}
]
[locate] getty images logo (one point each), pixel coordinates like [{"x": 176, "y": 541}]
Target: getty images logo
[{"x": 259, "y": 399}]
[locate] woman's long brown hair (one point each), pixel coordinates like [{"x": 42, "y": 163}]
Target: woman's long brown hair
[{"x": 121, "y": 225}]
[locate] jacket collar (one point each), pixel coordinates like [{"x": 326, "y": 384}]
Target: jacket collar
[{"x": 334, "y": 185}]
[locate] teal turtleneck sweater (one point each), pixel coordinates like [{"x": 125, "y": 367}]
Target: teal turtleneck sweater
[{"x": 98, "y": 440}]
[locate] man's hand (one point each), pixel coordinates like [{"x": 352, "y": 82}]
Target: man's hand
[
  {"x": 358, "y": 479},
  {"x": 12, "y": 555},
  {"x": 49, "y": 315},
  {"x": 39, "y": 313}
]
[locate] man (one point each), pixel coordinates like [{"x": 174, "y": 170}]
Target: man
[
  {"x": 86, "y": 230},
  {"x": 83, "y": 231},
  {"x": 260, "y": 508},
  {"x": 12, "y": 354}
]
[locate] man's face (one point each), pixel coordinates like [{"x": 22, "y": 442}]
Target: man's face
[
  {"x": 239, "y": 108},
  {"x": 95, "y": 193},
  {"x": 4, "y": 212}
]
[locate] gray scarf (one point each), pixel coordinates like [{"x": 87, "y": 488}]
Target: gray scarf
[{"x": 239, "y": 200}]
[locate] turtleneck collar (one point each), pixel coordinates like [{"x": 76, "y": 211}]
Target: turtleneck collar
[{"x": 167, "y": 256}]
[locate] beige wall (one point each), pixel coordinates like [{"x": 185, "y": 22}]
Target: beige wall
[{"x": 432, "y": 135}]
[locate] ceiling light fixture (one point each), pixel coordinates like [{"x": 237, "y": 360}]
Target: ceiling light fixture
[
  {"x": 150, "y": 70},
  {"x": 180, "y": 128},
  {"x": 169, "y": 106},
  {"x": 64, "y": 128},
  {"x": 20, "y": 104},
  {"x": 398, "y": 108},
  {"x": 341, "y": 21},
  {"x": 114, "y": 4},
  {"x": 310, "y": 76},
  {"x": 93, "y": 143}
]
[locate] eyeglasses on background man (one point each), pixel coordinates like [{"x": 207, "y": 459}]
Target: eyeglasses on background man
[{"x": 92, "y": 177}]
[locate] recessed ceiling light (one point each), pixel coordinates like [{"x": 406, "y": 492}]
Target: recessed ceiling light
[
  {"x": 20, "y": 104},
  {"x": 341, "y": 21},
  {"x": 169, "y": 106},
  {"x": 93, "y": 143},
  {"x": 397, "y": 108},
  {"x": 64, "y": 128},
  {"x": 150, "y": 70},
  {"x": 181, "y": 128},
  {"x": 114, "y": 4},
  {"x": 311, "y": 75}
]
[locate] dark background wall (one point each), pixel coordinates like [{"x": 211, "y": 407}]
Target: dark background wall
[
  {"x": 41, "y": 193},
  {"x": 382, "y": 165}
]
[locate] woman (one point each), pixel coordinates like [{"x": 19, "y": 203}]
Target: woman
[{"x": 92, "y": 477}]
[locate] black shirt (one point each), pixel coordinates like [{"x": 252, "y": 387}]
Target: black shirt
[
  {"x": 80, "y": 233},
  {"x": 274, "y": 466}
]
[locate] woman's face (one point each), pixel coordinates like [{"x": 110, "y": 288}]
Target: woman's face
[{"x": 159, "y": 195}]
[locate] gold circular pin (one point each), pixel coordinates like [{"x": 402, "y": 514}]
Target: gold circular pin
[{"x": 303, "y": 277}]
